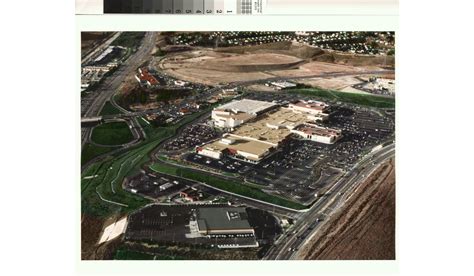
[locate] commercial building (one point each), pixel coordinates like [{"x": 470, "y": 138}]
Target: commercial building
[
  {"x": 236, "y": 113},
  {"x": 317, "y": 133},
  {"x": 312, "y": 107},
  {"x": 190, "y": 194},
  {"x": 92, "y": 74},
  {"x": 223, "y": 221},
  {"x": 260, "y": 129},
  {"x": 145, "y": 78},
  {"x": 316, "y": 111},
  {"x": 105, "y": 53}
]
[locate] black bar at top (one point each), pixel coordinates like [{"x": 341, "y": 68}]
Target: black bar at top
[{"x": 155, "y": 6}]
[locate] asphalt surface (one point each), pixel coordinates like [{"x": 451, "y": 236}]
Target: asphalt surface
[
  {"x": 112, "y": 84},
  {"x": 306, "y": 222},
  {"x": 288, "y": 245}
]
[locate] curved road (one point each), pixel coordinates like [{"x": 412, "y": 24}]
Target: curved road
[{"x": 112, "y": 84}]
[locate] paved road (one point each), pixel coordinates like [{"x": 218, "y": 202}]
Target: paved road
[
  {"x": 307, "y": 224},
  {"x": 112, "y": 84}
]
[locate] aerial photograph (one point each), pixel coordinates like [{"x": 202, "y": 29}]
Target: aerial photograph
[{"x": 252, "y": 145}]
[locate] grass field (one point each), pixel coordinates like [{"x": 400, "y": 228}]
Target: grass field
[
  {"x": 103, "y": 195},
  {"x": 90, "y": 151},
  {"x": 231, "y": 186},
  {"x": 360, "y": 99},
  {"x": 109, "y": 109},
  {"x": 113, "y": 133}
]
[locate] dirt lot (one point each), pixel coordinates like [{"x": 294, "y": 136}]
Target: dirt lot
[
  {"x": 225, "y": 65},
  {"x": 365, "y": 228},
  {"x": 339, "y": 83}
]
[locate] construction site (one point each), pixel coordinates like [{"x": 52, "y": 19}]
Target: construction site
[
  {"x": 277, "y": 60},
  {"x": 231, "y": 144}
]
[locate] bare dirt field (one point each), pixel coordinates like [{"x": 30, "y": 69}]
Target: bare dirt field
[
  {"x": 338, "y": 83},
  {"x": 249, "y": 63},
  {"x": 364, "y": 228}
]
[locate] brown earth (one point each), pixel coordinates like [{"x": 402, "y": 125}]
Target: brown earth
[
  {"x": 303, "y": 51},
  {"x": 357, "y": 60},
  {"x": 364, "y": 228},
  {"x": 285, "y": 47},
  {"x": 91, "y": 230},
  {"x": 91, "y": 39},
  {"x": 283, "y": 59}
]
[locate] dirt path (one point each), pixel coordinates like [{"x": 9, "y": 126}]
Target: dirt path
[{"x": 364, "y": 229}]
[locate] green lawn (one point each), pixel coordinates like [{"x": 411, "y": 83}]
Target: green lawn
[
  {"x": 113, "y": 133},
  {"x": 231, "y": 186},
  {"x": 109, "y": 109},
  {"x": 360, "y": 99}
]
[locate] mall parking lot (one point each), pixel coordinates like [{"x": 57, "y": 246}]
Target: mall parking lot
[
  {"x": 192, "y": 136},
  {"x": 224, "y": 164},
  {"x": 300, "y": 168}
]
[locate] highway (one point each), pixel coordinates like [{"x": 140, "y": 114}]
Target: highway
[
  {"x": 288, "y": 245},
  {"x": 111, "y": 85}
]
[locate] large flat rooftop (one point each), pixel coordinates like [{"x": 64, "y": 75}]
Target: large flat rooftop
[
  {"x": 314, "y": 106},
  {"x": 246, "y": 106},
  {"x": 317, "y": 130},
  {"x": 222, "y": 218},
  {"x": 271, "y": 127},
  {"x": 241, "y": 144},
  {"x": 259, "y": 136}
]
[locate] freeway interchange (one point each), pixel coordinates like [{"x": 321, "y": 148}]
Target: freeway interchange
[
  {"x": 112, "y": 84},
  {"x": 306, "y": 222}
]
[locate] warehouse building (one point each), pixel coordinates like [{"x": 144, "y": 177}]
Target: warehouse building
[{"x": 223, "y": 221}]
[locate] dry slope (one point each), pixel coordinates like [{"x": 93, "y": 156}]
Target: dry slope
[{"x": 364, "y": 228}]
